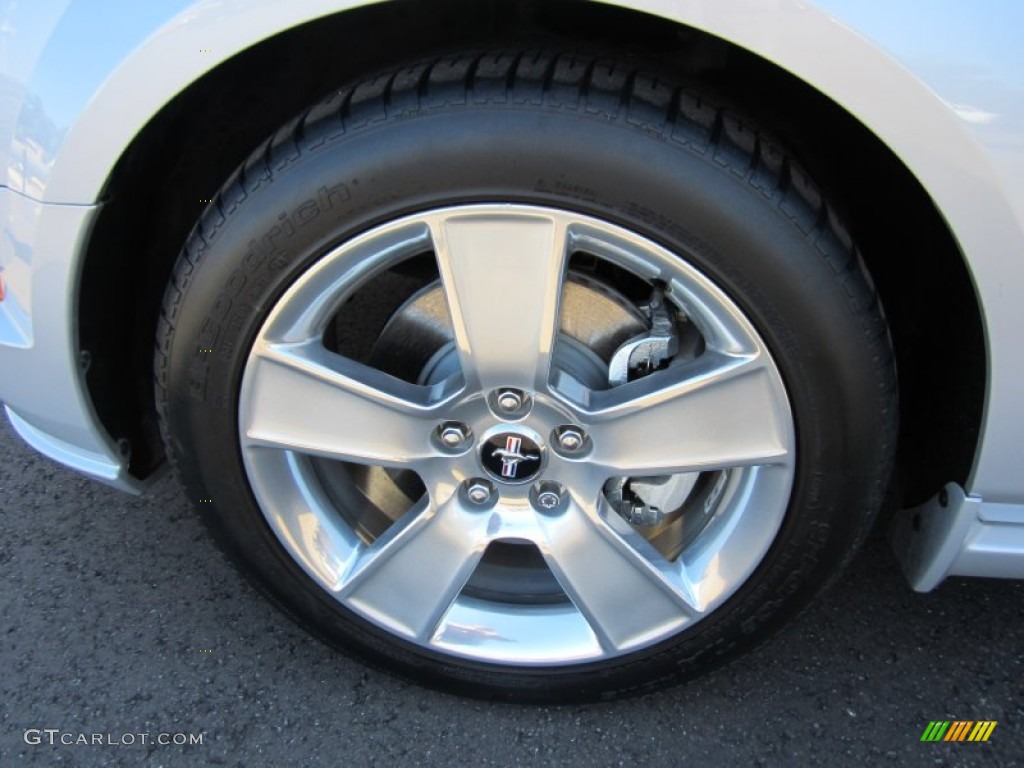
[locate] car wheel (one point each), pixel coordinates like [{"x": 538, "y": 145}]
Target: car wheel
[{"x": 532, "y": 376}]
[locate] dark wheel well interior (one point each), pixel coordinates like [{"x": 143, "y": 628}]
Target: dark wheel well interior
[{"x": 157, "y": 191}]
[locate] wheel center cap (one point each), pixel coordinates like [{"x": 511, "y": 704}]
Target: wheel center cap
[{"x": 511, "y": 457}]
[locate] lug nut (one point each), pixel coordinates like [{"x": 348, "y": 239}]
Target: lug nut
[
  {"x": 479, "y": 491},
  {"x": 570, "y": 439},
  {"x": 509, "y": 404},
  {"x": 509, "y": 400},
  {"x": 548, "y": 496},
  {"x": 548, "y": 499},
  {"x": 453, "y": 434}
]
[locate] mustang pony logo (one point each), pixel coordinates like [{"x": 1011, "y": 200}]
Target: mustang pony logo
[{"x": 510, "y": 455}]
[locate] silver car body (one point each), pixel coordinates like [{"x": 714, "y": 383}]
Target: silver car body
[{"x": 83, "y": 77}]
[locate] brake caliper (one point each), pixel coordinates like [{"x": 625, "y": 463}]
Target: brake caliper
[
  {"x": 648, "y": 500},
  {"x": 650, "y": 351}
]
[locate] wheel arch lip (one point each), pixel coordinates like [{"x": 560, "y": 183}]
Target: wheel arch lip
[{"x": 154, "y": 52}]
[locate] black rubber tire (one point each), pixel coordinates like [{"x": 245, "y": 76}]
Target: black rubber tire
[{"x": 600, "y": 137}]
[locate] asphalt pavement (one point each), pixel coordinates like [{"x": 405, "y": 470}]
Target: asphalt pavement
[{"x": 122, "y": 626}]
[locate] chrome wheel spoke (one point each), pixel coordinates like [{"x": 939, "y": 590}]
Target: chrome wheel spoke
[
  {"x": 410, "y": 576},
  {"x": 718, "y": 413},
  {"x": 625, "y": 590},
  {"x": 306, "y": 399},
  {"x": 502, "y": 276}
]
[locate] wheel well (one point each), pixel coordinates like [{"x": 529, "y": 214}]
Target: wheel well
[{"x": 157, "y": 191}]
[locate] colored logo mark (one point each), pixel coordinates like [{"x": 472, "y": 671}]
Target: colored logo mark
[
  {"x": 515, "y": 458},
  {"x": 958, "y": 730}
]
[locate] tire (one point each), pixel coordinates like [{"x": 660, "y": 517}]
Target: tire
[{"x": 529, "y": 376}]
